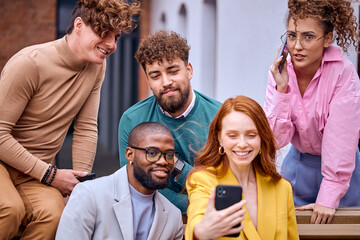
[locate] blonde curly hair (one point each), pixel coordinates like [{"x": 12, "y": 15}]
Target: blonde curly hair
[
  {"x": 333, "y": 15},
  {"x": 105, "y": 16}
]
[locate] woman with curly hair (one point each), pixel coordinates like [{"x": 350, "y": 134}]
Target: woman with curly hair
[
  {"x": 240, "y": 150},
  {"x": 314, "y": 103}
]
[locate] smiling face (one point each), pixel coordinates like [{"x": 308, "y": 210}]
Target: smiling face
[
  {"x": 170, "y": 83},
  {"x": 146, "y": 176},
  {"x": 240, "y": 139},
  {"x": 308, "y": 56},
  {"x": 92, "y": 48}
]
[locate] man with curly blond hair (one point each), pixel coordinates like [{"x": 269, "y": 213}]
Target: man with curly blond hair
[
  {"x": 186, "y": 112},
  {"x": 43, "y": 88}
]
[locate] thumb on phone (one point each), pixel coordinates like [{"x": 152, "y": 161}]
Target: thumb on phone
[{"x": 79, "y": 173}]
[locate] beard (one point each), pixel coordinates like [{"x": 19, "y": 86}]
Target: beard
[
  {"x": 173, "y": 104},
  {"x": 146, "y": 179}
]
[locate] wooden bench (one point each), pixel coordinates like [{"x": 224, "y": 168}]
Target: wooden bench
[{"x": 344, "y": 225}]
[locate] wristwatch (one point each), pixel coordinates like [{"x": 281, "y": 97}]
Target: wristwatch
[{"x": 178, "y": 167}]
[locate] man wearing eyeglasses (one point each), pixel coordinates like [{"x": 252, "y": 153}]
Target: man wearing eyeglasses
[{"x": 126, "y": 204}]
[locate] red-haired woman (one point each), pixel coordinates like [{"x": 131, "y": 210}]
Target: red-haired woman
[
  {"x": 314, "y": 103},
  {"x": 240, "y": 150}
]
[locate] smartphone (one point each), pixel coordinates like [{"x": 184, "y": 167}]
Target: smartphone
[
  {"x": 226, "y": 196},
  {"x": 284, "y": 53},
  {"x": 87, "y": 177}
]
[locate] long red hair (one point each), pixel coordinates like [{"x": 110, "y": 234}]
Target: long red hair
[{"x": 264, "y": 163}]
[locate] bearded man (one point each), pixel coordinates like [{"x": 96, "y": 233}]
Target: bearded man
[
  {"x": 186, "y": 112},
  {"x": 126, "y": 204}
]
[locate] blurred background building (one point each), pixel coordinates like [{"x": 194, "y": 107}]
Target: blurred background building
[{"x": 233, "y": 43}]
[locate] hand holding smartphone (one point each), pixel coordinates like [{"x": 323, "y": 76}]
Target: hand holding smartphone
[
  {"x": 226, "y": 196},
  {"x": 283, "y": 52},
  {"x": 87, "y": 177}
]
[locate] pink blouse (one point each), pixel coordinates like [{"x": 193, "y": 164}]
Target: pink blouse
[{"x": 325, "y": 121}]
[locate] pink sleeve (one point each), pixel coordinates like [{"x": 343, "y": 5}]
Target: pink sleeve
[
  {"x": 277, "y": 109},
  {"x": 340, "y": 141}
]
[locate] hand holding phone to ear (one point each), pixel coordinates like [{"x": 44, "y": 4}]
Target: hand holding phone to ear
[{"x": 279, "y": 69}]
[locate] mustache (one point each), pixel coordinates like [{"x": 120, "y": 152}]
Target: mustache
[
  {"x": 171, "y": 88},
  {"x": 158, "y": 168}
]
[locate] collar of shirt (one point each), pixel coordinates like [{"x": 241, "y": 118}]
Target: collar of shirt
[
  {"x": 138, "y": 195},
  {"x": 186, "y": 112},
  {"x": 332, "y": 53}
]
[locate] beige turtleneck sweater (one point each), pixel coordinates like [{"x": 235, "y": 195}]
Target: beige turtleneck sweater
[{"x": 42, "y": 89}]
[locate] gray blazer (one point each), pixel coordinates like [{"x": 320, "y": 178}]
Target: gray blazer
[{"x": 101, "y": 209}]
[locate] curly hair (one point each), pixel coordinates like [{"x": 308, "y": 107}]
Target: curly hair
[
  {"x": 160, "y": 45},
  {"x": 332, "y": 14},
  {"x": 209, "y": 156},
  {"x": 105, "y": 16}
]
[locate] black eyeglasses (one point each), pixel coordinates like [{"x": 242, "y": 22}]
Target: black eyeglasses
[{"x": 153, "y": 154}]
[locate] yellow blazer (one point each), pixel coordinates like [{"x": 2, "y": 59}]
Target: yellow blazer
[{"x": 276, "y": 212}]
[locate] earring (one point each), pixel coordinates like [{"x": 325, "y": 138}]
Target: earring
[
  {"x": 131, "y": 162},
  {"x": 260, "y": 152},
  {"x": 221, "y": 150}
]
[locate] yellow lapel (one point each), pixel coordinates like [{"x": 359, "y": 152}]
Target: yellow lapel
[
  {"x": 266, "y": 207},
  {"x": 249, "y": 229},
  {"x": 266, "y": 226}
]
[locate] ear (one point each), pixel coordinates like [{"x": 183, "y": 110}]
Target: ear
[
  {"x": 129, "y": 154},
  {"x": 189, "y": 69},
  {"x": 78, "y": 24},
  {"x": 328, "y": 39}
]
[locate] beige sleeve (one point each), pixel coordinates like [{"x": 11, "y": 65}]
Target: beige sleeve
[
  {"x": 18, "y": 82},
  {"x": 85, "y": 129}
]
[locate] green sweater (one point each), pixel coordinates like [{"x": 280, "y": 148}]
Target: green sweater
[{"x": 190, "y": 133}]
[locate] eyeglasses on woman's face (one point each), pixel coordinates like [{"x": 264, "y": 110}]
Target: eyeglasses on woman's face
[
  {"x": 306, "y": 39},
  {"x": 153, "y": 154}
]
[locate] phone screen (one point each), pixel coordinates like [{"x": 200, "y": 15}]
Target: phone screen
[{"x": 226, "y": 196}]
